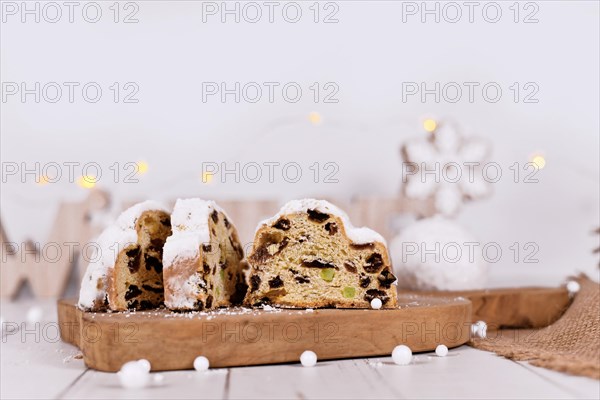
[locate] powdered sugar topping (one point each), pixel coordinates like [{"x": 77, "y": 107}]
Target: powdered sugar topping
[
  {"x": 185, "y": 291},
  {"x": 189, "y": 221},
  {"x": 356, "y": 235},
  {"x": 128, "y": 218},
  {"x": 190, "y": 224}
]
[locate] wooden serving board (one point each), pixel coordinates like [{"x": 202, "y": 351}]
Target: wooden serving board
[
  {"x": 526, "y": 307},
  {"x": 240, "y": 337}
]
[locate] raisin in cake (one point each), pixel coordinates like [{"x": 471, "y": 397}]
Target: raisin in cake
[
  {"x": 310, "y": 255},
  {"x": 203, "y": 258},
  {"x": 126, "y": 272}
]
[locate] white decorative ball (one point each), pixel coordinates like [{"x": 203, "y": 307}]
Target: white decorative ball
[
  {"x": 145, "y": 364},
  {"x": 133, "y": 375},
  {"x": 474, "y": 328},
  {"x": 308, "y": 358},
  {"x": 402, "y": 355},
  {"x": 158, "y": 379},
  {"x": 201, "y": 363},
  {"x": 573, "y": 287},
  {"x": 441, "y": 350},
  {"x": 376, "y": 304},
  {"x": 438, "y": 254},
  {"x": 34, "y": 314},
  {"x": 479, "y": 329}
]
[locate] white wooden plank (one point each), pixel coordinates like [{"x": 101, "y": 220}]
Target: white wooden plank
[
  {"x": 467, "y": 373},
  {"x": 175, "y": 385},
  {"x": 579, "y": 387},
  {"x": 344, "y": 379},
  {"x": 35, "y": 363}
]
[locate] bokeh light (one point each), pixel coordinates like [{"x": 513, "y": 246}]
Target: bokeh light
[
  {"x": 43, "y": 180},
  {"x": 207, "y": 177},
  {"x": 142, "y": 167},
  {"x": 315, "y": 118},
  {"x": 539, "y": 161},
  {"x": 429, "y": 125},
  {"x": 87, "y": 181}
]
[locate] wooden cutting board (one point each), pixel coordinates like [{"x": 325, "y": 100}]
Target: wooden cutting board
[
  {"x": 526, "y": 307},
  {"x": 240, "y": 337}
]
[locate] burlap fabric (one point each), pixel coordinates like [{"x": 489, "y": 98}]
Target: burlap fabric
[{"x": 571, "y": 344}]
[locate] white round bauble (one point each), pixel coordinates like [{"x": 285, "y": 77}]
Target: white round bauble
[
  {"x": 441, "y": 350},
  {"x": 201, "y": 363},
  {"x": 133, "y": 375},
  {"x": 376, "y": 304},
  {"x": 308, "y": 358},
  {"x": 573, "y": 287},
  {"x": 145, "y": 364},
  {"x": 457, "y": 264},
  {"x": 402, "y": 355}
]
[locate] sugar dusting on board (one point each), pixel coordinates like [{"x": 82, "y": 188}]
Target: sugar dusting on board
[
  {"x": 415, "y": 300},
  {"x": 208, "y": 315}
]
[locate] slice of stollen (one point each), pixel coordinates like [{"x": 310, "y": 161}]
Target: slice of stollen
[
  {"x": 126, "y": 271},
  {"x": 203, "y": 266},
  {"x": 310, "y": 255}
]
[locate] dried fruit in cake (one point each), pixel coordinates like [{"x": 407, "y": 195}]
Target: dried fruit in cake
[
  {"x": 203, "y": 266},
  {"x": 127, "y": 272},
  {"x": 310, "y": 255}
]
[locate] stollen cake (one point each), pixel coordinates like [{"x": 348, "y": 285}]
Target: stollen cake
[
  {"x": 203, "y": 266},
  {"x": 310, "y": 255},
  {"x": 127, "y": 271}
]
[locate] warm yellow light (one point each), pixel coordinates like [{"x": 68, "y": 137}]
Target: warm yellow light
[
  {"x": 429, "y": 125},
  {"x": 207, "y": 177},
  {"x": 87, "y": 181},
  {"x": 142, "y": 167},
  {"x": 539, "y": 161},
  {"x": 43, "y": 180},
  {"x": 315, "y": 118}
]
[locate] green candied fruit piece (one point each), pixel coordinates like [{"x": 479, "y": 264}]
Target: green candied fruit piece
[
  {"x": 327, "y": 274},
  {"x": 349, "y": 292},
  {"x": 222, "y": 275}
]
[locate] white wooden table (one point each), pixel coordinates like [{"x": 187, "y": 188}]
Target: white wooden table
[{"x": 36, "y": 364}]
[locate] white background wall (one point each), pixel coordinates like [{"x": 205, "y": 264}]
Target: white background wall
[{"x": 368, "y": 53}]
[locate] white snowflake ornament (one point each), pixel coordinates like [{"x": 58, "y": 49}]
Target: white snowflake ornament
[{"x": 446, "y": 168}]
